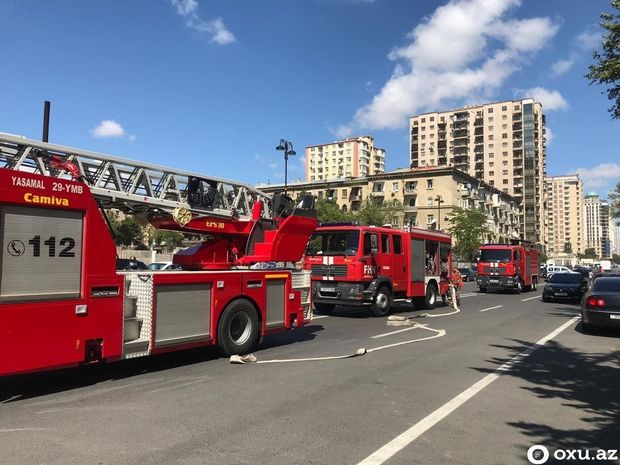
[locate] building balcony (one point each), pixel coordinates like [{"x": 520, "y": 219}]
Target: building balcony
[
  {"x": 377, "y": 194},
  {"x": 409, "y": 191},
  {"x": 355, "y": 198},
  {"x": 410, "y": 209}
]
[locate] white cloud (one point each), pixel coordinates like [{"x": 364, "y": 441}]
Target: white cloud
[
  {"x": 109, "y": 128},
  {"x": 550, "y": 99},
  {"x": 589, "y": 40},
  {"x": 600, "y": 176},
  {"x": 562, "y": 66},
  {"x": 188, "y": 10},
  {"x": 549, "y": 135},
  {"x": 463, "y": 52}
]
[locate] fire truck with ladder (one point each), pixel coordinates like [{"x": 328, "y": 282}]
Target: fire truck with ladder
[
  {"x": 62, "y": 301},
  {"x": 368, "y": 266},
  {"x": 511, "y": 266}
]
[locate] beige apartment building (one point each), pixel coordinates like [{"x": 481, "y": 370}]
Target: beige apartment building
[
  {"x": 501, "y": 143},
  {"x": 597, "y": 224},
  {"x": 352, "y": 157},
  {"x": 428, "y": 195},
  {"x": 565, "y": 214}
]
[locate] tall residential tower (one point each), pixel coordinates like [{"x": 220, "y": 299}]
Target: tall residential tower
[
  {"x": 354, "y": 157},
  {"x": 565, "y": 216},
  {"x": 501, "y": 143}
]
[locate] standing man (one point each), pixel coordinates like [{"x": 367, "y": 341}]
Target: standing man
[{"x": 456, "y": 283}]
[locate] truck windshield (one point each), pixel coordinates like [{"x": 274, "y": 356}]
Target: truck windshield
[
  {"x": 493, "y": 255},
  {"x": 333, "y": 243}
]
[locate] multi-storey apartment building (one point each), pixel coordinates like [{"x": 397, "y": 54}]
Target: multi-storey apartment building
[
  {"x": 352, "y": 157},
  {"x": 565, "y": 215},
  {"x": 427, "y": 196},
  {"x": 597, "y": 224},
  {"x": 500, "y": 143}
]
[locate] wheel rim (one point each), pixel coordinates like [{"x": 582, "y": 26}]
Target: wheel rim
[
  {"x": 432, "y": 297},
  {"x": 382, "y": 301},
  {"x": 240, "y": 328}
]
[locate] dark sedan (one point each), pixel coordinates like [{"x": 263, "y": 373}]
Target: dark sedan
[
  {"x": 565, "y": 286},
  {"x": 601, "y": 304},
  {"x": 468, "y": 274},
  {"x": 125, "y": 264}
]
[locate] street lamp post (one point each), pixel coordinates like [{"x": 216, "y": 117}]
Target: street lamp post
[
  {"x": 439, "y": 201},
  {"x": 287, "y": 148}
]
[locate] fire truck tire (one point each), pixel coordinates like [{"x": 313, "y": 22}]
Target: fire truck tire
[
  {"x": 429, "y": 301},
  {"x": 238, "y": 329},
  {"x": 383, "y": 302},
  {"x": 534, "y": 284},
  {"x": 324, "y": 308}
]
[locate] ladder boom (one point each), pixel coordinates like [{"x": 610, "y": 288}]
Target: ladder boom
[{"x": 133, "y": 186}]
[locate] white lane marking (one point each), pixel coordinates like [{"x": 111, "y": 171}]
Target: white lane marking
[
  {"x": 394, "y": 332},
  {"x": 471, "y": 294},
  {"x": 531, "y": 298},
  {"x": 19, "y": 430},
  {"x": 318, "y": 317},
  {"x": 167, "y": 388},
  {"x": 491, "y": 308},
  {"x": 403, "y": 440}
]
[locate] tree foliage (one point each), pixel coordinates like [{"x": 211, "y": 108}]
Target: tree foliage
[
  {"x": 371, "y": 213},
  {"x": 606, "y": 67},
  {"x": 614, "y": 201},
  {"x": 168, "y": 240},
  {"x": 589, "y": 253},
  {"x": 127, "y": 232},
  {"x": 328, "y": 211},
  {"x": 469, "y": 228}
]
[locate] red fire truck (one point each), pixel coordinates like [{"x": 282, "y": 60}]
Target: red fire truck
[
  {"x": 511, "y": 266},
  {"x": 62, "y": 301},
  {"x": 371, "y": 266}
]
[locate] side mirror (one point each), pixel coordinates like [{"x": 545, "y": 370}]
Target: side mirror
[{"x": 374, "y": 244}]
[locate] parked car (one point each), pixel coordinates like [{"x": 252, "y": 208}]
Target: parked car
[
  {"x": 601, "y": 304},
  {"x": 565, "y": 286},
  {"x": 553, "y": 269},
  {"x": 468, "y": 274},
  {"x": 127, "y": 264},
  {"x": 584, "y": 271},
  {"x": 163, "y": 266},
  {"x": 542, "y": 272}
]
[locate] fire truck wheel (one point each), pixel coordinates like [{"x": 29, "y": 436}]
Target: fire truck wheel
[
  {"x": 534, "y": 284},
  {"x": 383, "y": 302},
  {"x": 238, "y": 329},
  {"x": 324, "y": 308}
]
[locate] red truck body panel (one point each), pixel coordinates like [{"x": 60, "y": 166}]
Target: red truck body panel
[
  {"x": 504, "y": 266},
  {"x": 63, "y": 306}
]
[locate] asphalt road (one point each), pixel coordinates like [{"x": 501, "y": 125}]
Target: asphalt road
[{"x": 448, "y": 399}]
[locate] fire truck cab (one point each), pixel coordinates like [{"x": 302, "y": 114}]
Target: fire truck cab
[
  {"x": 508, "y": 267},
  {"x": 371, "y": 266}
]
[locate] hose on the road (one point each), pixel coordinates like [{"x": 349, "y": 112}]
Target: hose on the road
[{"x": 250, "y": 358}]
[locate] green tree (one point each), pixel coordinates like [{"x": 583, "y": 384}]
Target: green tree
[
  {"x": 606, "y": 67},
  {"x": 328, "y": 211},
  {"x": 127, "y": 232},
  {"x": 371, "y": 213},
  {"x": 469, "y": 228},
  {"x": 589, "y": 253},
  {"x": 168, "y": 240},
  {"x": 568, "y": 247},
  {"x": 394, "y": 212},
  {"x": 614, "y": 201},
  {"x": 615, "y": 258}
]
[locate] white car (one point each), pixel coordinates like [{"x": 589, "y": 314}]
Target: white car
[
  {"x": 163, "y": 266},
  {"x": 552, "y": 269}
]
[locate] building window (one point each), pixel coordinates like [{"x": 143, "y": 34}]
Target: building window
[
  {"x": 344, "y": 193},
  {"x": 504, "y": 136},
  {"x": 490, "y": 110},
  {"x": 432, "y": 118},
  {"x": 429, "y": 201},
  {"x": 505, "y": 172},
  {"x": 491, "y": 164},
  {"x": 504, "y": 108},
  {"x": 490, "y": 136},
  {"x": 504, "y": 126},
  {"x": 424, "y": 121},
  {"x": 505, "y": 181},
  {"x": 395, "y": 187},
  {"x": 429, "y": 183},
  {"x": 491, "y": 173},
  {"x": 505, "y": 154},
  {"x": 490, "y": 119},
  {"x": 490, "y": 146}
]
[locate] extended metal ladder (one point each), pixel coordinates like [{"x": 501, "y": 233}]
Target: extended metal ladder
[{"x": 132, "y": 186}]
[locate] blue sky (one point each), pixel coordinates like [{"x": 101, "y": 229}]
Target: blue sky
[{"x": 213, "y": 85}]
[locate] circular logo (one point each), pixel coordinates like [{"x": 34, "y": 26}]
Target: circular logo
[
  {"x": 538, "y": 454},
  {"x": 16, "y": 248}
]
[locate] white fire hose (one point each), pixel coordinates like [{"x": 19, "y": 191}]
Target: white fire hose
[{"x": 393, "y": 320}]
